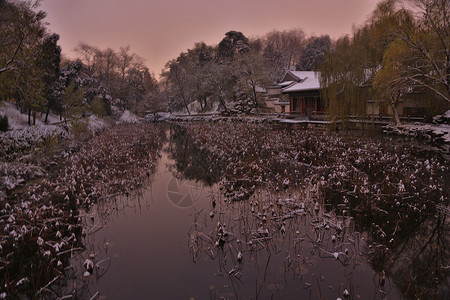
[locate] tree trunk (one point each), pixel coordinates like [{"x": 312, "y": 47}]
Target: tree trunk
[
  {"x": 223, "y": 104},
  {"x": 29, "y": 117},
  {"x": 186, "y": 105},
  {"x": 34, "y": 118},
  {"x": 46, "y": 115},
  {"x": 395, "y": 112},
  {"x": 201, "y": 104},
  {"x": 254, "y": 95}
]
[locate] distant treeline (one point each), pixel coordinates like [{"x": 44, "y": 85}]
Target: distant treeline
[
  {"x": 401, "y": 51},
  {"x": 35, "y": 76}
]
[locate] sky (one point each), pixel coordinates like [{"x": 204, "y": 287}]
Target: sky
[{"x": 159, "y": 30}]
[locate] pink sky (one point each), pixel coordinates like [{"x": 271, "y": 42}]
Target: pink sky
[{"x": 159, "y": 30}]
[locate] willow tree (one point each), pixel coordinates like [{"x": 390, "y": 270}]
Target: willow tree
[
  {"x": 22, "y": 30},
  {"x": 389, "y": 21},
  {"x": 20, "y": 26},
  {"x": 388, "y": 83},
  {"x": 416, "y": 64},
  {"x": 347, "y": 74}
]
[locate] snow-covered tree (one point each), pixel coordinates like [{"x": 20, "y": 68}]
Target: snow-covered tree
[
  {"x": 252, "y": 74},
  {"x": 314, "y": 53},
  {"x": 234, "y": 42},
  {"x": 428, "y": 47},
  {"x": 120, "y": 79}
]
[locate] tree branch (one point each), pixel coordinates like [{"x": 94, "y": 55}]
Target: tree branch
[
  {"x": 429, "y": 87},
  {"x": 7, "y": 66}
]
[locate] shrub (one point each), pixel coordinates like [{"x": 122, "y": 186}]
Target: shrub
[
  {"x": 51, "y": 143},
  {"x": 79, "y": 127},
  {"x": 4, "y": 123},
  {"x": 98, "y": 107}
]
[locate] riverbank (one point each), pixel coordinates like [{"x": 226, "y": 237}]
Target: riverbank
[
  {"x": 435, "y": 134},
  {"x": 388, "y": 188},
  {"x": 40, "y": 213},
  {"x": 53, "y": 181}
]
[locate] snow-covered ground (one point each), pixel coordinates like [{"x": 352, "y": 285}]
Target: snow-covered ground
[
  {"x": 21, "y": 132},
  {"x": 435, "y": 131},
  {"x": 128, "y": 117},
  {"x": 16, "y": 120},
  {"x": 96, "y": 125},
  {"x": 21, "y": 139},
  {"x": 438, "y": 134},
  {"x": 31, "y": 135},
  {"x": 12, "y": 174}
]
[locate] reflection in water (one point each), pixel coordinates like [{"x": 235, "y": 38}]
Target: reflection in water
[
  {"x": 39, "y": 223},
  {"x": 388, "y": 188},
  {"x": 260, "y": 227},
  {"x": 418, "y": 264},
  {"x": 282, "y": 245},
  {"x": 189, "y": 161}
]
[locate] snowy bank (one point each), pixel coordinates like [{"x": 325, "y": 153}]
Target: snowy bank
[
  {"x": 436, "y": 134},
  {"x": 17, "y": 120},
  {"x": 96, "y": 125},
  {"x": 13, "y": 174},
  {"x": 442, "y": 119},
  {"x": 30, "y": 135},
  {"x": 128, "y": 117},
  {"x": 216, "y": 117}
]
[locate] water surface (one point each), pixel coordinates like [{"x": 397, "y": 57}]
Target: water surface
[{"x": 181, "y": 238}]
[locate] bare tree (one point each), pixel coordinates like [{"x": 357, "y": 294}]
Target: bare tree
[
  {"x": 285, "y": 47},
  {"x": 429, "y": 47}
]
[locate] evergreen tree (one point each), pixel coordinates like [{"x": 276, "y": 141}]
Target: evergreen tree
[
  {"x": 49, "y": 60},
  {"x": 233, "y": 43},
  {"x": 314, "y": 53}
]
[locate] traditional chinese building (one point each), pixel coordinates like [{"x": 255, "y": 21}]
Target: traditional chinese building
[
  {"x": 298, "y": 93},
  {"x": 304, "y": 93}
]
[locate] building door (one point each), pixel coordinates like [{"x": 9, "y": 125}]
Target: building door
[
  {"x": 310, "y": 103},
  {"x": 296, "y": 105}
]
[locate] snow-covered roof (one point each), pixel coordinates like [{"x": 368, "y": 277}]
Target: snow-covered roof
[
  {"x": 303, "y": 74},
  {"x": 309, "y": 81},
  {"x": 285, "y": 83}
]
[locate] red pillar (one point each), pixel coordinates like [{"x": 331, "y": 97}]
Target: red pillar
[
  {"x": 301, "y": 105},
  {"x": 290, "y": 103},
  {"x": 315, "y": 105}
]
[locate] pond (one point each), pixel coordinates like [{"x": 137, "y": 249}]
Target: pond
[{"x": 212, "y": 224}]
